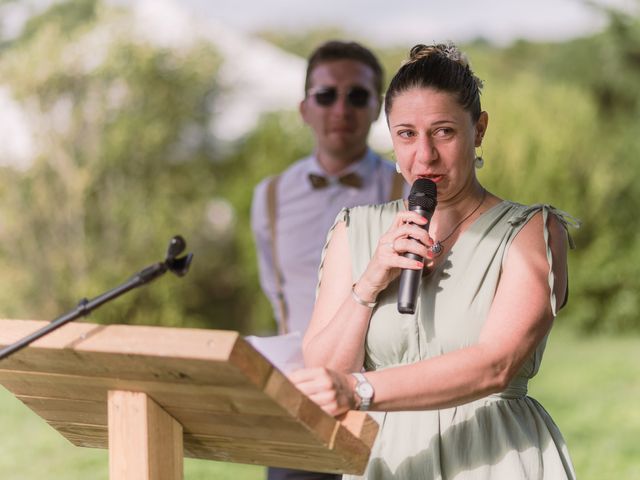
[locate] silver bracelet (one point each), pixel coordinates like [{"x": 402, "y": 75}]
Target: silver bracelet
[{"x": 359, "y": 300}]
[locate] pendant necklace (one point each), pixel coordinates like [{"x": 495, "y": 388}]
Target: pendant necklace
[{"x": 437, "y": 248}]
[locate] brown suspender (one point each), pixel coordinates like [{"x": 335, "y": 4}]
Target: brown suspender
[{"x": 272, "y": 212}]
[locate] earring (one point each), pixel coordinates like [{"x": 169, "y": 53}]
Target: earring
[
  {"x": 479, "y": 162},
  {"x": 398, "y": 168}
]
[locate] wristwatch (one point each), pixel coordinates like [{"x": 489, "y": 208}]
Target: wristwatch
[{"x": 364, "y": 390}]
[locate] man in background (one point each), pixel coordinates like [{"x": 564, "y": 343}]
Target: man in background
[{"x": 292, "y": 212}]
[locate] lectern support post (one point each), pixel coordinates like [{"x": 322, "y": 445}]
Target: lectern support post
[{"x": 145, "y": 442}]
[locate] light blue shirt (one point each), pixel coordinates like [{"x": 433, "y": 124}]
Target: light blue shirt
[{"x": 304, "y": 216}]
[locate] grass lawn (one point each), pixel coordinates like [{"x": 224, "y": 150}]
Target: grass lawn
[{"x": 590, "y": 386}]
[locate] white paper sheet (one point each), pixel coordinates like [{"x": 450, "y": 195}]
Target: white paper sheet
[{"x": 284, "y": 351}]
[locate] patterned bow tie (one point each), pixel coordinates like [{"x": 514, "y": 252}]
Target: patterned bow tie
[{"x": 350, "y": 180}]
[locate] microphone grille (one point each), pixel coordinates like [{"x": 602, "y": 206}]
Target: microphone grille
[{"x": 423, "y": 194}]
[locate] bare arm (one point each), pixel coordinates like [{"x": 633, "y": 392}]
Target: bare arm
[
  {"x": 519, "y": 318},
  {"x": 335, "y": 336}
]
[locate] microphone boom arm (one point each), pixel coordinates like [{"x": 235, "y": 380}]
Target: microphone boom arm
[{"x": 179, "y": 266}]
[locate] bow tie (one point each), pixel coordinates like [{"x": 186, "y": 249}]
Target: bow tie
[{"x": 350, "y": 180}]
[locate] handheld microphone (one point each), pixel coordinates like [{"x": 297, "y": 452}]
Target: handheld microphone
[{"x": 422, "y": 200}]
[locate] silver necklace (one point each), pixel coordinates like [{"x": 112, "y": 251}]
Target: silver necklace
[{"x": 437, "y": 248}]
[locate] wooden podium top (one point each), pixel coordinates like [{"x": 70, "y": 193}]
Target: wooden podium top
[{"x": 232, "y": 403}]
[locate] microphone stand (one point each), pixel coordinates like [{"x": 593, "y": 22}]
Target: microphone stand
[{"x": 179, "y": 266}]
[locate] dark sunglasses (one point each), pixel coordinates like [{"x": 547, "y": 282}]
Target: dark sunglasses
[{"x": 357, "y": 97}]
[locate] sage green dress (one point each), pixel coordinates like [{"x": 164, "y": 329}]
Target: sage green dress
[{"x": 503, "y": 436}]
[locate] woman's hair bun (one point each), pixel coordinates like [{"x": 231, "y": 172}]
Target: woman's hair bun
[
  {"x": 446, "y": 50},
  {"x": 442, "y": 50}
]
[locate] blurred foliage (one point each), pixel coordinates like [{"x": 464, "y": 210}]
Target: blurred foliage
[
  {"x": 303, "y": 42},
  {"x": 564, "y": 129},
  {"x": 127, "y": 160},
  {"x": 67, "y": 16}
]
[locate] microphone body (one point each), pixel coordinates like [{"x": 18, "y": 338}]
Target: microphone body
[{"x": 422, "y": 200}]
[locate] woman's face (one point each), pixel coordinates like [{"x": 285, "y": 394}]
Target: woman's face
[{"x": 434, "y": 137}]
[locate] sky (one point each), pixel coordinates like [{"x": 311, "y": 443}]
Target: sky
[
  {"x": 417, "y": 21},
  {"x": 403, "y": 23}
]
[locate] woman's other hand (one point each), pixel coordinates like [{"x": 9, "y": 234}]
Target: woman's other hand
[{"x": 332, "y": 391}]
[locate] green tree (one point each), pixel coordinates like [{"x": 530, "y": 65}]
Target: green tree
[
  {"x": 568, "y": 116},
  {"x": 125, "y": 161}
]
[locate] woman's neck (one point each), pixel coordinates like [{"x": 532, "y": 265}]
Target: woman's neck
[{"x": 452, "y": 213}]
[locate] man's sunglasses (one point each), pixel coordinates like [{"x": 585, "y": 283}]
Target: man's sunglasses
[{"x": 357, "y": 97}]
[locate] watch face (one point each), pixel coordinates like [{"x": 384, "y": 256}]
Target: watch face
[{"x": 364, "y": 390}]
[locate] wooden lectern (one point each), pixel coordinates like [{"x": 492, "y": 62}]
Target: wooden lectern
[{"x": 152, "y": 395}]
